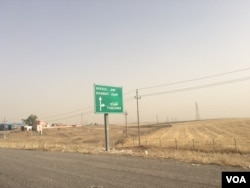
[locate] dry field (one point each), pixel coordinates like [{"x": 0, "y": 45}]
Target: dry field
[
  {"x": 224, "y": 141},
  {"x": 211, "y": 135}
]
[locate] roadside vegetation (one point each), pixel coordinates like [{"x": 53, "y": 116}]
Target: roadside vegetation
[{"x": 223, "y": 141}]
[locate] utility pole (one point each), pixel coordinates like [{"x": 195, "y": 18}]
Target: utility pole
[
  {"x": 82, "y": 119},
  {"x": 197, "y": 111},
  {"x": 138, "y": 119},
  {"x": 4, "y": 120},
  {"x": 126, "y": 122}
]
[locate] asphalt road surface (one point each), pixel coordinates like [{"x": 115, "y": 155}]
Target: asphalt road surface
[{"x": 32, "y": 169}]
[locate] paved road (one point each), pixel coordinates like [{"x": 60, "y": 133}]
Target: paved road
[{"x": 35, "y": 169}]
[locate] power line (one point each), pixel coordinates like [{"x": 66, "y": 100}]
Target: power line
[
  {"x": 127, "y": 100},
  {"x": 131, "y": 91},
  {"x": 195, "y": 79},
  {"x": 197, "y": 87},
  {"x": 71, "y": 116},
  {"x": 63, "y": 114},
  {"x": 68, "y": 116}
]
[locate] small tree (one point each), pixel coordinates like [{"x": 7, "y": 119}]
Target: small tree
[{"x": 30, "y": 120}]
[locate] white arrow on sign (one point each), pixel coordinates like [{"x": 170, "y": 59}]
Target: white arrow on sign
[{"x": 101, "y": 105}]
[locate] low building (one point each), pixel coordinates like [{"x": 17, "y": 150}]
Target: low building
[
  {"x": 4, "y": 127},
  {"x": 39, "y": 125},
  {"x": 8, "y": 126},
  {"x": 27, "y": 128}
]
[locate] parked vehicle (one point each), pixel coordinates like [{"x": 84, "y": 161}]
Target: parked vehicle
[{"x": 5, "y": 127}]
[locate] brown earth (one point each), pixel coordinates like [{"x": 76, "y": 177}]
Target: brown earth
[{"x": 222, "y": 141}]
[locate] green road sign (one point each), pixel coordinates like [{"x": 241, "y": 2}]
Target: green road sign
[{"x": 108, "y": 99}]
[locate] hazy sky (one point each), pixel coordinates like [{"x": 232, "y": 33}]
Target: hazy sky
[{"x": 53, "y": 51}]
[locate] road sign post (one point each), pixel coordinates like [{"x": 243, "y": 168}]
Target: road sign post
[
  {"x": 108, "y": 99},
  {"x": 106, "y": 124}
]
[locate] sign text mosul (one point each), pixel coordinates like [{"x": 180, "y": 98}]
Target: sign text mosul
[{"x": 108, "y": 99}]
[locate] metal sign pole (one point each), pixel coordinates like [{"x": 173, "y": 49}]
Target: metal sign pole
[
  {"x": 126, "y": 122},
  {"x": 106, "y": 123}
]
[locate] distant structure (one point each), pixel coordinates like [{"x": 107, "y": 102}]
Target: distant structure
[
  {"x": 39, "y": 125},
  {"x": 197, "y": 111}
]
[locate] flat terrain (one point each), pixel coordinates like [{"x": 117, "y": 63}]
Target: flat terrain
[
  {"x": 211, "y": 135},
  {"x": 222, "y": 141},
  {"x": 38, "y": 169}
]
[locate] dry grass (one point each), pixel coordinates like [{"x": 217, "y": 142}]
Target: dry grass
[
  {"x": 212, "y": 135},
  {"x": 225, "y": 142},
  {"x": 79, "y": 139}
]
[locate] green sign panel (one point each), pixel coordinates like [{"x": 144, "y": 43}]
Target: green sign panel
[{"x": 108, "y": 99}]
